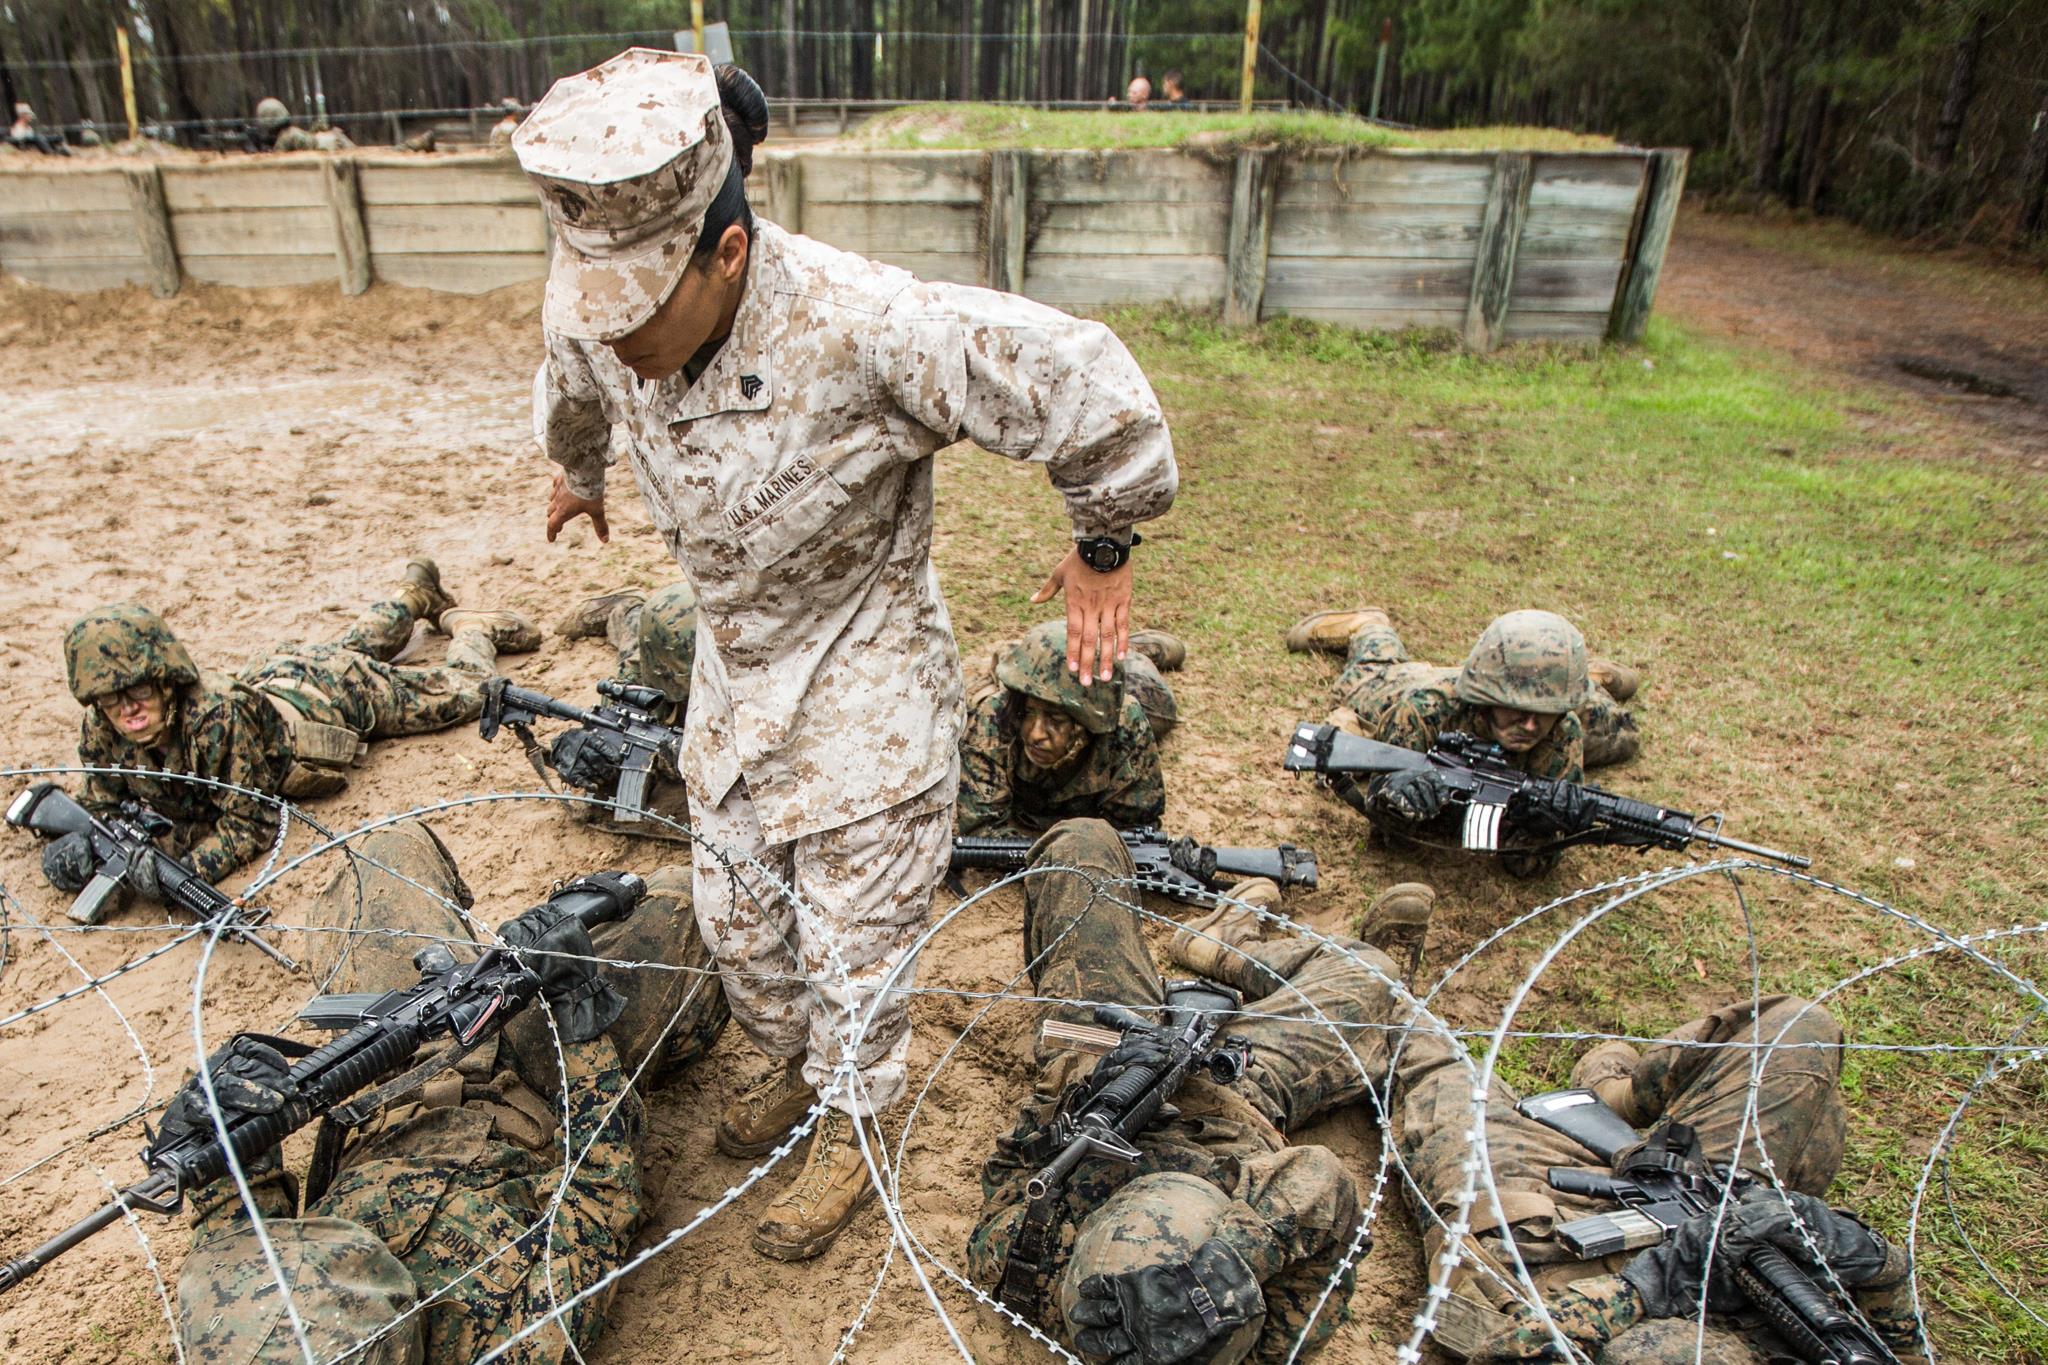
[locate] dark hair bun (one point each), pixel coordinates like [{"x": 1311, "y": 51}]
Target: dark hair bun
[{"x": 746, "y": 113}]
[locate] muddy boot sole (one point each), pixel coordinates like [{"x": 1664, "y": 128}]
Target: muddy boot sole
[{"x": 815, "y": 1246}]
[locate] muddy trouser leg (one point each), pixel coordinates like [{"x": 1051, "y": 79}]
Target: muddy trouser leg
[
  {"x": 414, "y": 701},
  {"x": 397, "y": 892},
  {"x": 381, "y": 632},
  {"x": 1373, "y": 650},
  {"x": 373, "y": 698},
  {"x": 1611, "y": 735},
  {"x": 1082, "y": 938}
]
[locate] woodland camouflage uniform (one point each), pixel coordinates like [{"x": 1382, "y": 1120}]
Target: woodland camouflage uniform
[
  {"x": 1798, "y": 1119},
  {"x": 1116, "y": 776},
  {"x": 432, "y": 1195},
  {"x": 1224, "y": 1165}
]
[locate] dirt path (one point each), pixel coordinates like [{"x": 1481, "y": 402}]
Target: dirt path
[{"x": 1963, "y": 342}]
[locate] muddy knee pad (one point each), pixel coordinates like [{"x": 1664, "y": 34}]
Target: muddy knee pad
[
  {"x": 401, "y": 883},
  {"x": 1674, "y": 1341}
]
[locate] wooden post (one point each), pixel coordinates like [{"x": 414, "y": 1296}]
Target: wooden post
[
  {"x": 1250, "y": 75},
  {"x": 1005, "y": 212},
  {"x": 128, "y": 99},
  {"x": 786, "y": 190},
  {"x": 351, "y": 243},
  {"x": 1657, "y": 210},
  {"x": 697, "y": 23},
  {"x": 1500, "y": 233},
  {"x": 1251, "y": 232},
  {"x": 153, "y": 228}
]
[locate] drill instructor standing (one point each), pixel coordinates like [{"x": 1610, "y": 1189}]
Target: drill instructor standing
[{"x": 781, "y": 403}]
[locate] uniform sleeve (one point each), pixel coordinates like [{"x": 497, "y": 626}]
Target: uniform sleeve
[
  {"x": 102, "y": 794},
  {"x": 1137, "y": 793},
  {"x": 1031, "y": 383},
  {"x": 570, "y": 423},
  {"x": 227, "y": 745},
  {"x": 1887, "y": 1300},
  {"x": 985, "y": 756}
]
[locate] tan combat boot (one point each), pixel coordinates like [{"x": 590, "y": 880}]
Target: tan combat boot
[
  {"x": 1618, "y": 680},
  {"x": 1208, "y": 946},
  {"x": 829, "y": 1190},
  {"x": 1398, "y": 918},
  {"x": 1608, "y": 1071},
  {"x": 421, "y": 591},
  {"x": 508, "y": 631},
  {"x": 1167, "y": 652},
  {"x": 758, "y": 1121},
  {"x": 587, "y": 618},
  {"x": 1330, "y": 631}
]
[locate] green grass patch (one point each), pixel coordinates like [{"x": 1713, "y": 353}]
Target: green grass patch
[{"x": 959, "y": 126}]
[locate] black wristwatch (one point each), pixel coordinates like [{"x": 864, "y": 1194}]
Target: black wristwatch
[{"x": 1105, "y": 555}]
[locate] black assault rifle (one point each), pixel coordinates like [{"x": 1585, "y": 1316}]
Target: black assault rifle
[
  {"x": 1105, "y": 1120},
  {"x": 1664, "y": 1181},
  {"x": 119, "y": 843},
  {"x": 615, "y": 754},
  {"x": 467, "y": 1003},
  {"x": 1176, "y": 867},
  {"x": 1480, "y": 776}
]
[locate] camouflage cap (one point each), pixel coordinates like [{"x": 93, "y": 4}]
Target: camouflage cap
[
  {"x": 1157, "y": 1219},
  {"x": 346, "y": 1288},
  {"x": 1527, "y": 660},
  {"x": 1037, "y": 667},
  {"x": 119, "y": 645},
  {"x": 628, "y": 157}
]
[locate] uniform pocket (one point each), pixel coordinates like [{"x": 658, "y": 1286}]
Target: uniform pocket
[{"x": 785, "y": 511}]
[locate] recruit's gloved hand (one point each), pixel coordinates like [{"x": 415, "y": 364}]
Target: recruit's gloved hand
[
  {"x": 1668, "y": 1277},
  {"x": 1167, "y": 1313},
  {"x": 68, "y": 862},
  {"x": 1146, "y": 1047},
  {"x": 1417, "y": 795},
  {"x": 1588, "y": 1313},
  {"x": 1553, "y": 808},
  {"x": 583, "y": 1004},
  {"x": 249, "y": 1077},
  {"x": 587, "y": 759},
  {"x": 141, "y": 877}
]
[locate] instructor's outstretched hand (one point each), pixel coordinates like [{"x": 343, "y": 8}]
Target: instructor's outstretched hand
[
  {"x": 1098, "y": 615},
  {"x": 564, "y": 507}
]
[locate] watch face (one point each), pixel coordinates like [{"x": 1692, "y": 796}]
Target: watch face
[{"x": 1101, "y": 556}]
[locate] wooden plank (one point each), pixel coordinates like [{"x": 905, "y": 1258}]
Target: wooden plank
[
  {"x": 1500, "y": 234},
  {"x": 478, "y": 273},
  {"x": 254, "y": 232},
  {"x": 1098, "y": 281},
  {"x": 891, "y": 178},
  {"x": 1561, "y": 237},
  {"x": 954, "y": 267},
  {"x": 153, "y": 228},
  {"x": 1587, "y": 184},
  {"x": 266, "y": 185},
  {"x": 1131, "y": 227},
  {"x": 1395, "y": 319},
  {"x": 1005, "y": 220},
  {"x": 345, "y": 214},
  {"x": 62, "y": 192},
  {"x": 784, "y": 177},
  {"x": 1297, "y": 283},
  {"x": 1377, "y": 178},
  {"x": 1637, "y": 290},
  {"x": 868, "y": 228},
  {"x": 82, "y": 273},
  {"x": 1566, "y": 286},
  {"x": 415, "y": 229},
  {"x": 69, "y": 236},
  {"x": 1530, "y": 324},
  {"x": 1146, "y": 177},
  {"x": 1251, "y": 234},
  {"x": 260, "y": 271},
  {"x": 1423, "y": 230},
  {"x": 496, "y": 181}
]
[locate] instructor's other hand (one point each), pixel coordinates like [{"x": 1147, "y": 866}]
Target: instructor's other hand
[
  {"x": 564, "y": 507},
  {"x": 1098, "y": 615}
]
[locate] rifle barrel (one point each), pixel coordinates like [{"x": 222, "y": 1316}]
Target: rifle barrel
[
  {"x": 1708, "y": 836},
  {"x": 19, "y": 1269}
]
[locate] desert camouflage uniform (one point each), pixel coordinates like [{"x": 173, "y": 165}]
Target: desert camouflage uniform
[
  {"x": 449, "y": 1181},
  {"x": 793, "y": 482},
  {"x": 1290, "y": 1211},
  {"x": 1116, "y": 777},
  {"x": 1799, "y": 1120}
]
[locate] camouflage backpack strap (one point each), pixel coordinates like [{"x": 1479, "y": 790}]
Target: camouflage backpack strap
[{"x": 1028, "y": 1268}]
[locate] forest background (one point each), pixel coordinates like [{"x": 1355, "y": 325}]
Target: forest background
[{"x": 1918, "y": 117}]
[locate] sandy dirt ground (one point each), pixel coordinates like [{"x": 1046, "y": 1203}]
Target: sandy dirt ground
[{"x": 257, "y": 464}]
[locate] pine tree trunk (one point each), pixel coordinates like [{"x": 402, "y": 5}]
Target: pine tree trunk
[
  {"x": 1822, "y": 123},
  {"x": 1770, "y": 147},
  {"x": 2034, "y": 174},
  {"x": 1962, "y": 86}
]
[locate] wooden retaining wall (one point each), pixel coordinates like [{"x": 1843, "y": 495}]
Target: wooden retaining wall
[{"x": 1500, "y": 246}]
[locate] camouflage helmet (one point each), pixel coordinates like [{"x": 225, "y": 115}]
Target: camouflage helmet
[
  {"x": 1037, "y": 667},
  {"x": 1157, "y": 1219},
  {"x": 1529, "y": 661},
  {"x": 271, "y": 114},
  {"x": 346, "y": 1288},
  {"x": 668, "y": 642},
  {"x": 120, "y": 645}
]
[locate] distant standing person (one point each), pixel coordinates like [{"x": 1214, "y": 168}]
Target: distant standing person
[
  {"x": 1138, "y": 94},
  {"x": 1176, "y": 97},
  {"x": 781, "y": 402}
]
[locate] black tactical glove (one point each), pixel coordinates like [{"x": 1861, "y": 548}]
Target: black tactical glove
[
  {"x": 1167, "y": 1313},
  {"x": 587, "y": 759},
  {"x": 584, "y": 1005},
  {"x": 68, "y": 862},
  {"x": 141, "y": 877},
  {"x": 1552, "y": 808},
  {"x": 1668, "y": 1277},
  {"x": 1416, "y": 795},
  {"x": 249, "y": 1077},
  {"x": 1146, "y": 1047}
]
